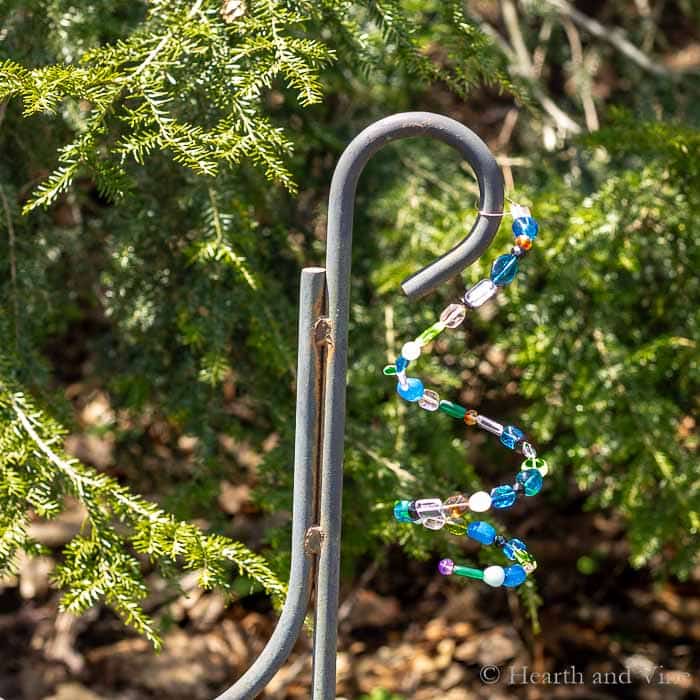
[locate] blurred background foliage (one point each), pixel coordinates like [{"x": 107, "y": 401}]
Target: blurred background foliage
[{"x": 174, "y": 184}]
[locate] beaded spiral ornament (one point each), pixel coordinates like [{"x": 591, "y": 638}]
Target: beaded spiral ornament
[{"x": 433, "y": 513}]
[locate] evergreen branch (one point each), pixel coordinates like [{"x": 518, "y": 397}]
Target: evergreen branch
[{"x": 98, "y": 565}]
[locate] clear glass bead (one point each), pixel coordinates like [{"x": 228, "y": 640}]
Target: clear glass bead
[
  {"x": 491, "y": 425},
  {"x": 430, "y": 512},
  {"x": 526, "y": 449},
  {"x": 453, "y": 315},
  {"x": 480, "y": 293},
  {"x": 430, "y": 400}
]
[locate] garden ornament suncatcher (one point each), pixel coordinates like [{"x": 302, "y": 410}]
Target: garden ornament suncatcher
[{"x": 320, "y": 407}]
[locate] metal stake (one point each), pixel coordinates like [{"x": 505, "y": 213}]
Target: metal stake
[{"x": 322, "y": 381}]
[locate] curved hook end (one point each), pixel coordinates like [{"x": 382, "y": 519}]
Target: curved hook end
[{"x": 460, "y": 257}]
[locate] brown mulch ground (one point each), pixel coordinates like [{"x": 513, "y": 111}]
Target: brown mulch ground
[{"x": 404, "y": 630}]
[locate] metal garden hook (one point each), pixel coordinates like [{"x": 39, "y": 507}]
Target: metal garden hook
[{"x": 321, "y": 385}]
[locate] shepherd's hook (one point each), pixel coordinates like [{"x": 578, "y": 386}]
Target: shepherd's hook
[{"x": 321, "y": 384}]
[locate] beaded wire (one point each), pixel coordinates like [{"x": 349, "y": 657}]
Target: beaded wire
[{"x": 433, "y": 513}]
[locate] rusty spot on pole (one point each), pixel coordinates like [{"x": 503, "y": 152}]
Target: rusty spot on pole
[
  {"x": 313, "y": 540},
  {"x": 323, "y": 332}
]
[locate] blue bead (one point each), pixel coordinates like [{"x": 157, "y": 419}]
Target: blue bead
[
  {"x": 511, "y": 435},
  {"x": 503, "y": 496},
  {"x": 401, "y": 512},
  {"x": 531, "y": 479},
  {"x": 509, "y": 546},
  {"x": 525, "y": 226},
  {"x": 413, "y": 391},
  {"x": 401, "y": 363},
  {"x": 481, "y": 532},
  {"x": 515, "y": 575},
  {"x": 504, "y": 269}
]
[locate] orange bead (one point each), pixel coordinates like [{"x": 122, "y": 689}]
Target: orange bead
[
  {"x": 470, "y": 417},
  {"x": 456, "y": 505},
  {"x": 525, "y": 242}
]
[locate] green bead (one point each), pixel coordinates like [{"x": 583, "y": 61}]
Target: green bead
[
  {"x": 389, "y": 370},
  {"x": 535, "y": 463},
  {"x": 469, "y": 572},
  {"x": 525, "y": 559},
  {"x": 453, "y": 409},
  {"x": 430, "y": 333},
  {"x": 459, "y": 529}
]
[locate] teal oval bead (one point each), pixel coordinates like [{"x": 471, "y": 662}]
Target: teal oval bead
[
  {"x": 515, "y": 575},
  {"x": 413, "y": 391},
  {"x": 402, "y": 511},
  {"x": 503, "y": 496},
  {"x": 481, "y": 532},
  {"x": 401, "y": 363},
  {"x": 504, "y": 269},
  {"x": 531, "y": 480},
  {"x": 509, "y": 547},
  {"x": 525, "y": 226}
]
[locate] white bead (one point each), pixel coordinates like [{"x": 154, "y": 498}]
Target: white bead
[
  {"x": 411, "y": 350},
  {"x": 479, "y": 501},
  {"x": 494, "y": 576}
]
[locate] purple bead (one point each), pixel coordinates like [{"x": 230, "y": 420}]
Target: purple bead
[{"x": 446, "y": 567}]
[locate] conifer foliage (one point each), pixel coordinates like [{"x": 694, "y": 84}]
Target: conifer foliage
[{"x": 164, "y": 109}]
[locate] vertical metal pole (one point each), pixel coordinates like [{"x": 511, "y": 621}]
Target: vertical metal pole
[
  {"x": 321, "y": 381},
  {"x": 338, "y": 259},
  {"x": 306, "y": 466}
]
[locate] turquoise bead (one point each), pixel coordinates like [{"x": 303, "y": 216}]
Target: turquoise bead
[
  {"x": 511, "y": 435},
  {"x": 401, "y": 363},
  {"x": 531, "y": 479},
  {"x": 504, "y": 269},
  {"x": 511, "y": 545},
  {"x": 503, "y": 496},
  {"x": 413, "y": 391},
  {"x": 515, "y": 575},
  {"x": 525, "y": 226},
  {"x": 402, "y": 512},
  {"x": 481, "y": 532}
]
